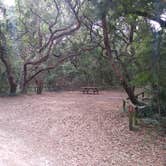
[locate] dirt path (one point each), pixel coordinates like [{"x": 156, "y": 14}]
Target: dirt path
[{"x": 72, "y": 129}]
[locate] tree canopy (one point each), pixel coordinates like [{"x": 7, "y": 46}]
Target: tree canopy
[{"x": 84, "y": 42}]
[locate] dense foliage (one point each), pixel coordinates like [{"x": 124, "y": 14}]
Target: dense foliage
[{"x": 69, "y": 43}]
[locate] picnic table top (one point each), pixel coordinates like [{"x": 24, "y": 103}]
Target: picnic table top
[{"x": 89, "y": 87}]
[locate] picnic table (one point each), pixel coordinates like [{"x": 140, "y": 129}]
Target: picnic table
[{"x": 90, "y": 90}]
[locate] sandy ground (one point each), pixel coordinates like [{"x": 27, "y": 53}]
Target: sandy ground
[{"x": 73, "y": 129}]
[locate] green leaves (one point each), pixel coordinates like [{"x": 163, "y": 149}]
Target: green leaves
[{"x": 142, "y": 79}]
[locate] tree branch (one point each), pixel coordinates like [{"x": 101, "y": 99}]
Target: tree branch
[{"x": 60, "y": 61}]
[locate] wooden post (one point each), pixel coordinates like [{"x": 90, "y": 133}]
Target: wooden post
[
  {"x": 135, "y": 116},
  {"x": 124, "y": 106},
  {"x": 131, "y": 115}
]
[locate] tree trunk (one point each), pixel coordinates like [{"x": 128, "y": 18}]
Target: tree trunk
[
  {"x": 5, "y": 60},
  {"x": 11, "y": 80},
  {"x": 24, "y": 88},
  {"x": 24, "y": 81},
  {"x": 13, "y": 85},
  {"x": 128, "y": 88},
  {"x": 10, "y": 77},
  {"x": 39, "y": 86},
  {"x": 130, "y": 92}
]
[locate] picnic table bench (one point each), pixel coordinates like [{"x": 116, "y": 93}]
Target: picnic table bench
[{"x": 90, "y": 90}]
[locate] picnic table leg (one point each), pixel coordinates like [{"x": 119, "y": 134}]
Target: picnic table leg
[
  {"x": 87, "y": 91},
  {"x": 97, "y": 91},
  {"x": 94, "y": 91}
]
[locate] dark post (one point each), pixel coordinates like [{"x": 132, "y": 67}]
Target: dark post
[
  {"x": 124, "y": 106},
  {"x": 131, "y": 114}
]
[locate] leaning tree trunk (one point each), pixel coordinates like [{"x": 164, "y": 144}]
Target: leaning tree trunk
[
  {"x": 128, "y": 88},
  {"x": 130, "y": 92}
]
